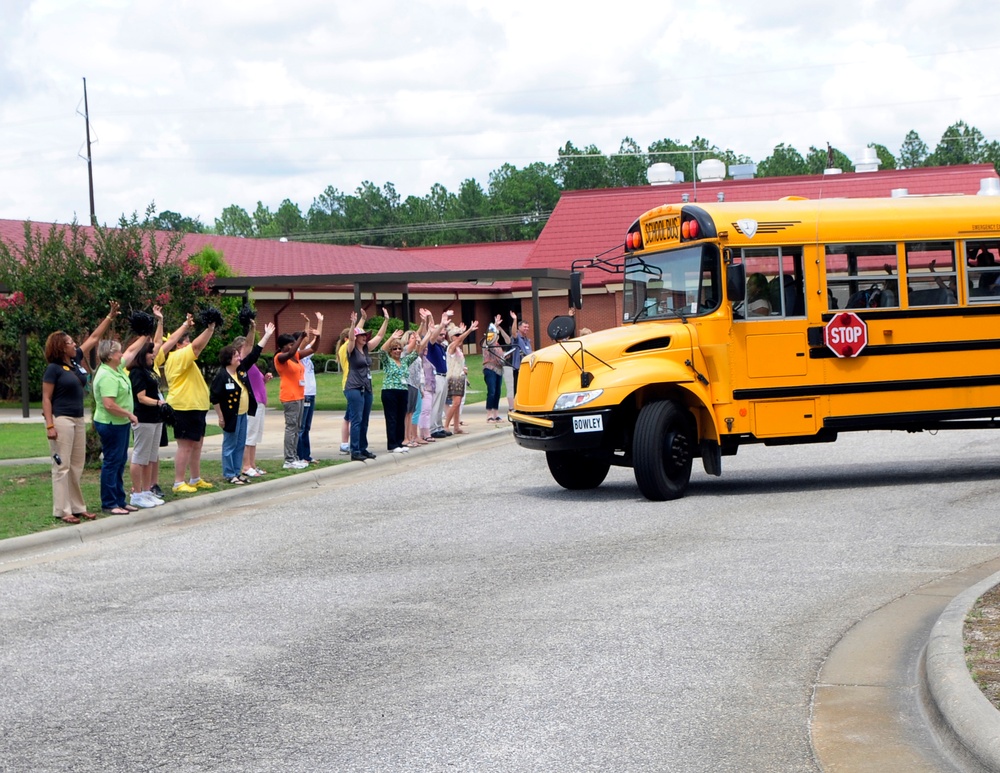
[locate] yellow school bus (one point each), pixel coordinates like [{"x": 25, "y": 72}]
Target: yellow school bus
[{"x": 776, "y": 322}]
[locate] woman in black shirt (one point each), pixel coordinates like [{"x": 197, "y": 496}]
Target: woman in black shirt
[{"x": 63, "y": 386}]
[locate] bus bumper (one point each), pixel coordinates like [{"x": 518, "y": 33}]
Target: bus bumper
[{"x": 565, "y": 431}]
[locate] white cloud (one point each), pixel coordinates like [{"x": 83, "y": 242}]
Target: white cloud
[{"x": 201, "y": 105}]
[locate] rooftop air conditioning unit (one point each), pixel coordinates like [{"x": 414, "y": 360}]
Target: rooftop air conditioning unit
[
  {"x": 711, "y": 170},
  {"x": 989, "y": 186},
  {"x": 742, "y": 171},
  {"x": 661, "y": 174},
  {"x": 868, "y": 162}
]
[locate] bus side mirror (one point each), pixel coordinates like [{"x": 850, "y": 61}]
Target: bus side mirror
[
  {"x": 561, "y": 328},
  {"x": 576, "y": 289},
  {"x": 736, "y": 282}
]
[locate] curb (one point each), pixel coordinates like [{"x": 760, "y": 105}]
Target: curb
[
  {"x": 972, "y": 719},
  {"x": 62, "y": 538}
]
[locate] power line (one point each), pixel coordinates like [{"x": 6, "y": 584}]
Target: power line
[{"x": 492, "y": 221}]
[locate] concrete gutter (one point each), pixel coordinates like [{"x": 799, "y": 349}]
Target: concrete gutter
[{"x": 974, "y": 721}]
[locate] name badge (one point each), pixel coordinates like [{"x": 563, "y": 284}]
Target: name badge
[{"x": 230, "y": 385}]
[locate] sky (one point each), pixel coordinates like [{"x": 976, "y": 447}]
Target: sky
[{"x": 195, "y": 106}]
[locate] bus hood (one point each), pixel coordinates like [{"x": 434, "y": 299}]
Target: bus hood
[{"x": 607, "y": 358}]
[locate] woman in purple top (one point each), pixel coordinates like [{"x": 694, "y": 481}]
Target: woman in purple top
[{"x": 255, "y": 424}]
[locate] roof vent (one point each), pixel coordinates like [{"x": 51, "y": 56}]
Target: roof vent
[
  {"x": 868, "y": 162},
  {"x": 833, "y": 170},
  {"x": 661, "y": 174},
  {"x": 711, "y": 170},
  {"x": 283, "y": 239},
  {"x": 742, "y": 171},
  {"x": 989, "y": 186},
  {"x": 898, "y": 193}
]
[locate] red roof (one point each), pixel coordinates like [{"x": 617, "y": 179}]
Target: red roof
[
  {"x": 270, "y": 257},
  {"x": 586, "y": 224}
]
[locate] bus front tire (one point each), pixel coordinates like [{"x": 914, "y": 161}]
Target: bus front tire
[
  {"x": 576, "y": 471},
  {"x": 662, "y": 450}
]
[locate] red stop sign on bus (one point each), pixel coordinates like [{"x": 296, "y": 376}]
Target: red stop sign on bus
[{"x": 846, "y": 334}]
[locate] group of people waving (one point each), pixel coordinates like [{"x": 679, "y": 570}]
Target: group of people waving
[{"x": 424, "y": 377}]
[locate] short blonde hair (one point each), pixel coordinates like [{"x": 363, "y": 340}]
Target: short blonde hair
[{"x": 106, "y": 348}]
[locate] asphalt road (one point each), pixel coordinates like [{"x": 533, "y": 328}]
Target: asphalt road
[{"x": 466, "y": 614}]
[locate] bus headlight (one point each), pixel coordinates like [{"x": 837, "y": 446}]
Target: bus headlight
[{"x": 576, "y": 399}]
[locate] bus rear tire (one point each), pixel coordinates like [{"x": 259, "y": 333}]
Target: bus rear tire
[
  {"x": 662, "y": 450},
  {"x": 576, "y": 471}
]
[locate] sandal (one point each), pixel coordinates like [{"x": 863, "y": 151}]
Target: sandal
[
  {"x": 428, "y": 439},
  {"x": 68, "y": 518},
  {"x": 236, "y": 481},
  {"x": 117, "y": 510},
  {"x": 88, "y": 516},
  {"x": 131, "y": 508}
]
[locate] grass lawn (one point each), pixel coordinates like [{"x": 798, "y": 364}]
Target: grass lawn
[
  {"x": 26, "y": 492},
  {"x": 27, "y": 441},
  {"x": 330, "y": 394}
]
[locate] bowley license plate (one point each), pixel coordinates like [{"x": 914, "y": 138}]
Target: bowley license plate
[{"x": 588, "y": 424}]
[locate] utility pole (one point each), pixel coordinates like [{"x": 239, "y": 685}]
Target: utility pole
[{"x": 90, "y": 164}]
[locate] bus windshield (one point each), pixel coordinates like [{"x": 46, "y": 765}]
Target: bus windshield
[{"x": 679, "y": 283}]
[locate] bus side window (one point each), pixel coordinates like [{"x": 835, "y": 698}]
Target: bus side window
[
  {"x": 983, "y": 268},
  {"x": 774, "y": 282},
  {"x": 931, "y": 274},
  {"x": 862, "y": 276},
  {"x": 786, "y": 290}
]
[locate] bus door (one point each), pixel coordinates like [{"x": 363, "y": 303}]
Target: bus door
[
  {"x": 770, "y": 346},
  {"x": 769, "y": 324}
]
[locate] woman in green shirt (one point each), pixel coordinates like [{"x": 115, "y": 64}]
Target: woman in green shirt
[{"x": 113, "y": 418}]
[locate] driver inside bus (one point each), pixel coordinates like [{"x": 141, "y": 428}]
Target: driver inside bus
[{"x": 758, "y": 296}]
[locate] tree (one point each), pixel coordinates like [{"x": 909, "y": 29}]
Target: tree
[
  {"x": 628, "y": 167},
  {"x": 133, "y": 264},
  {"x": 913, "y": 152},
  {"x": 885, "y": 157},
  {"x": 960, "y": 144},
  {"x": 234, "y": 221},
  {"x": 263, "y": 220},
  {"x": 210, "y": 263},
  {"x": 668, "y": 151},
  {"x": 819, "y": 159},
  {"x": 582, "y": 169},
  {"x": 372, "y": 209},
  {"x": 287, "y": 220},
  {"x": 521, "y": 200},
  {"x": 327, "y": 212},
  {"x": 991, "y": 154},
  {"x": 784, "y": 161},
  {"x": 174, "y": 221}
]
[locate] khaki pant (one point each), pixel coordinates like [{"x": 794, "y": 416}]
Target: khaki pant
[{"x": 71, "y": 446}]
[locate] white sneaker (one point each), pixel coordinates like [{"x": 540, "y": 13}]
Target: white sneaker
[
  {"x": 400, "y": 450},
  {"x": 153, "y": 498},
  {"x": 345, "y": 448},
  {"x": 298, "y": 464},
  {"x": 139, "y": 500}
]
